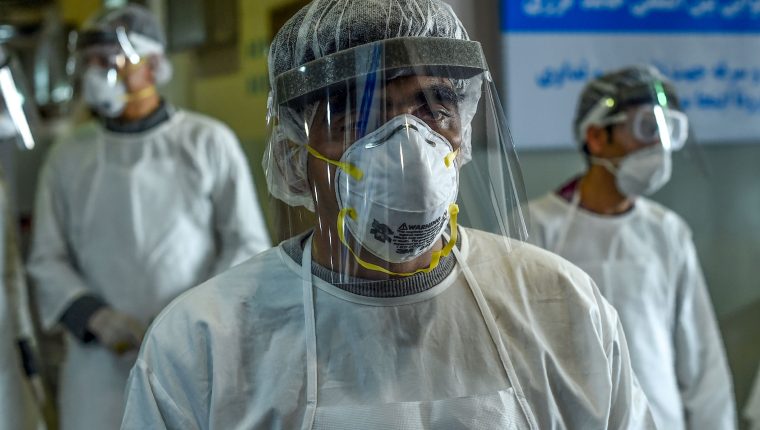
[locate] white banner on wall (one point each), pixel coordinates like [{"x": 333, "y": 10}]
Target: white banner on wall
[{"x": 710, "y": 49}]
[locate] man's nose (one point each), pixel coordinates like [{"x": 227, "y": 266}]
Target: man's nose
[{"x": 394, "y": 111}]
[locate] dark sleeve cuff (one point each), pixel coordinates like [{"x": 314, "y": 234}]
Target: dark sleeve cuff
[
  {"x": 27, "y": 357},
  {"x": 78, "y": 314}
]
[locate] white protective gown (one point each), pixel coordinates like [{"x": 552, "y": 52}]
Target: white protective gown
[
  {"x": 18, "y": 409},
  {"x": 752, "y": 409},
  {"x": 136, "y": 219},
  {"x": 646, "y": 266},
  {"x": 233, "y": 353}
]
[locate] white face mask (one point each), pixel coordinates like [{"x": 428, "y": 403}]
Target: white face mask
[
  {"x": 7, "y": 127},
  {"x": 104, "y": 92},
  {"x": 642, "y": 172},
  {"x": 399, "y": 183}
]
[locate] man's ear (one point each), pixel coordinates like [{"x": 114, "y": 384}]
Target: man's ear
[{"x": 596, "y": 139}]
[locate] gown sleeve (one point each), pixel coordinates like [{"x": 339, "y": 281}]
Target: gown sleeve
[{"x": 702, "y": 370}]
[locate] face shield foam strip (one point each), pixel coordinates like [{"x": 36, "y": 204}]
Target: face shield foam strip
[{"x": 455, "y": 58}]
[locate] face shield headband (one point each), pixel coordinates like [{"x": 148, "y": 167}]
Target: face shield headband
[
  {"x": 133, "y": 45},
  {"x": 445, "y": 57}
]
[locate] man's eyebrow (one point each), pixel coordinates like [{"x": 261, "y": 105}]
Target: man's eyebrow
[{"x": 439, "y": 93}]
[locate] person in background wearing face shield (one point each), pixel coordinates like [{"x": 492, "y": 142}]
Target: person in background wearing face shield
[
  {"x": 18, "y": 406},
  {"x": 388, "y": 314},
  {"x": 641, "y": 254},
  {"x": 131, "y": 210}
]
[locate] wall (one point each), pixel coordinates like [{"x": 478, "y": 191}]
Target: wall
[{"x": 77, "y": 11}]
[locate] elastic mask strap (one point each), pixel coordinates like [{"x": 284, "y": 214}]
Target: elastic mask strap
[
  {"x": 493, "y": 331},
  {"x": 352, "y": 170},
  {"x": 574, "y": 205},
  {"x": 607, "y": 164},
  {"x": 435, "y": 258}
]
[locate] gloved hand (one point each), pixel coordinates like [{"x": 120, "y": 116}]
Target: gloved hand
[{"x": 115, "y": 330}]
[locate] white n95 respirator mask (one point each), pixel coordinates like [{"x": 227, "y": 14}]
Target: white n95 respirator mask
[
  {"x": 104, "y": 91},
  {"x": 640, "y": 173},
  {"x": 396, "y": 189}
]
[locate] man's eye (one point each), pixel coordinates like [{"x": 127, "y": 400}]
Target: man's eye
[
  {"x": 440, "y": 115},
  {"x": 435, "y": 113},
  {"x": 650, "y": 129}
]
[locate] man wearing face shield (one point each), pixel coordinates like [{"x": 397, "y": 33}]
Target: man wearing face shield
[
  {"x": 388, "y": 314},
  {"x": 641, "y": 254},
  {"x": 18, "y": 408},
  {"x": 131, "y": 210}
]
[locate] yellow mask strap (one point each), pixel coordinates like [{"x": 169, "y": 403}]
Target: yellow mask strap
[
  {"x": 449, "y": 159},
  {"x": 434, "y": 260},
  {"x": 352, "y": 170},
  {"x": 142, "y": 94}
]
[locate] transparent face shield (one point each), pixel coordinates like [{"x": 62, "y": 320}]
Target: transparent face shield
[
  {"x": 18, "y": 114},
  {"x": 649, "y": 115},
  {"x": 394, "y": 146},
  {"x": 104, "y": 60}
]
